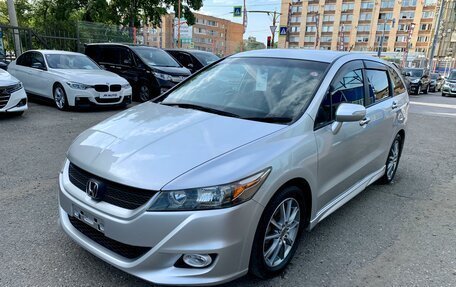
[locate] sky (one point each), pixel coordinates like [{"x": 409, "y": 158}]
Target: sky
[{"x": 257, "y": 24}]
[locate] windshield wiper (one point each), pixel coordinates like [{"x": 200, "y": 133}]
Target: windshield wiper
[
  {"x": 281, "y": 120},
  {"x": 202, "y": 108}
]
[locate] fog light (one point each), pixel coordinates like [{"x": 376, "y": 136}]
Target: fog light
[{"x": 197, "y": 260}]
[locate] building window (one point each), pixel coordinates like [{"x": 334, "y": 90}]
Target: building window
[
  {"x": 365, "y": 16},
  {"x": 430, "y": 2},
  {"x": 326, "y": 39},
  {"x": 346, "y": 17},
  {"x": 294, "y": 39},
  {"x": 296, "y": 9},
  {"x": 403, "y": 27},
  {"x": 423, "y": 39},
  {"x": 311, "y": 29},
  {"x": 380, "y": 27},
  {"x": 387, "y": 4},
  {"x": 408, "y": 3},
  {"x": 362, "y": 39},
  {"x": 295, "y": 29},
  {"x": 425, "y": 27},
  {"x": 401, "y": 39},
  {"x": 347, "y": 28},
  {"x": 312, "y": 8},
  {"x": 346, "y": 39},
  {"x": 428, "y": 14},
  {"x": 367, "y": 5},
  {"x": 330, "y": 7},
  {"x": 421, "y": 50},
  {"x": 328, "y": 18},
  {"x": 327, "y": 28},
  {"x": 407, "y": 15},
  {"x": 387, "y": 16},
  {"x": 348, "y": 6},
  {"x": 364, "y": 28},
  {"x": 295, "y": 19},
  {"x": 399, "y": 49},
  {"x": 310, "y": 19},
  {"x": 309, "y": 39},
  {"x": 379, "y": 39}
]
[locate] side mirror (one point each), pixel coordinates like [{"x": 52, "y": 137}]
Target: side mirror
[
  {"x": 348, "y": 113},
  {"x": 38, "y": 65}
]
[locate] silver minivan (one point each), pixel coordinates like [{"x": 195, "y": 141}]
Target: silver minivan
[{"x": 219, "y": 176}]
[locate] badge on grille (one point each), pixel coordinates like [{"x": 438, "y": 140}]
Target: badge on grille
[{"x": 95, "y": 189}]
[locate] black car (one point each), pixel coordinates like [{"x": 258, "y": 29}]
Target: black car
[
  {"x": 150, "y": 71},
  {"x": 418, "y": 80},
  {"x": 194, "y": 60},
  {"x": 437, "y": 82}
]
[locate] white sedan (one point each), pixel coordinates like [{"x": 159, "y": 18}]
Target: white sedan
[
  {"x": 69, "y": 79},
  {"x": 12, "y": 95}
]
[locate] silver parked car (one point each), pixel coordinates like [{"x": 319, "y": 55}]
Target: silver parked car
[{"x": 220, "y": 175}]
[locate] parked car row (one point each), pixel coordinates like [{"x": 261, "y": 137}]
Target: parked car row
[
  {"x": 107, "y": 75},
  {"x": 449, "y": 87}
]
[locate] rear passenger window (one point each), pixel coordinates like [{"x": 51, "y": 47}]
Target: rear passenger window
[
  {"x": 110, "y": 55},
  {"x": 347, "y": 87},
  {"x": 24, "y": 60},
  {"x": 398, "y": 85},
  {"x": 378, "y": 86}
]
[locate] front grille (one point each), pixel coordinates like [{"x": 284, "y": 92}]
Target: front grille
[
  {"x": 107, "y": 101},
  {"x": 115, "y": 88},
  {"x": 125, "y": 250},
  {"x": 101, "y": 88},
  {"x": 5, "y": 93},
  {"x": 117, "y": 194}
]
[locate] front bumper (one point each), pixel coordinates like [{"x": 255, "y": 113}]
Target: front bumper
[
  {"x": 17, "y": 102},
  {"x": 228, "y": 233},
  {"x": 414, "y": 88},
  {"x": 449, "y": 91},
  {"x": 90, "y": 97}
]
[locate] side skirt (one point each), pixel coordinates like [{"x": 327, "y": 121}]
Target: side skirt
[{"x": 346, "y": 196}]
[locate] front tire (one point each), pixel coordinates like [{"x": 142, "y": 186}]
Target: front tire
[
  {"x": 60, "y": 97},
  {"x": 144, "y": 93},
  {"x": 392, "y": 161},
  {"x": 278, "y": 232}
]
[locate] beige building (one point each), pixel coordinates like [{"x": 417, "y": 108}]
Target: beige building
[
  {"x": 357, "y": 25},
  {"x": 212, "y": 34}
]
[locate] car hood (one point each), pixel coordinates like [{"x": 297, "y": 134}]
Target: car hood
[
  {"x": 450, "y": 81},
  {"x": 149, "y": 145},
  {"x": 6, "y": 79},
  {"x": 175, "y": 71},
  {"x": 89, "y": 77}
]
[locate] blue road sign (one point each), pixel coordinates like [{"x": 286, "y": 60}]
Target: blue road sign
[
  {"x": 237, "y": 12},
  {"x": 283, "y": 31}
]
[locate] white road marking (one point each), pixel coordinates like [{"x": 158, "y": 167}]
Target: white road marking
[{"x": 434, "y": 105}]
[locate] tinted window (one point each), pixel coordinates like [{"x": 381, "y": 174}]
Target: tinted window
[
  {"x": 155, "y": 57},
  {"x": 415, "y": 73},
  {"x": 378, "y": 85},
  {"x": 260, "y": 88},
  {"x": 184, "y": 59},
  {"x": 452, "y": 75},
  {"x": 398, "y": 85},
  {"x": 37, "y": 58},
  {"x": 110, "y": 55},
  {"x": 206, "y": 58},
  {"x": 125, "y": 56},
  {"x": 24, "y": 60},
  {"x": 347, "y": 87}
]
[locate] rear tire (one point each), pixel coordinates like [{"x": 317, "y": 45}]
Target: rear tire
[
  {"x": 392, "y": 162},
  {"x": 278, "y": 233}
]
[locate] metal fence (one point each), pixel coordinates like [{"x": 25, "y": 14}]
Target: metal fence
[{"x": 90, "y": 32}]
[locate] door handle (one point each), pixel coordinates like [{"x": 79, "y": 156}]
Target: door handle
[
  {"x": 394, "y": 105},
  {"x": 364, "y": 122}
]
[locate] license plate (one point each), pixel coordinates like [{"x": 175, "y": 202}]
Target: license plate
[
  {"x": 109, "y": 96},
  {"x": 88, "y": 218}
]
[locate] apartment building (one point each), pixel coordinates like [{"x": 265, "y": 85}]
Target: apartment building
[
  {"x": 212, "y": 34},
  {"x": 357, "y": 25}
]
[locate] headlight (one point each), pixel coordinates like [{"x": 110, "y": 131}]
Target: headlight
[
  {"x": 78, "y": 86},
  {"x": 416, "y": 81},
  {"x": 162, "y": 76},
  {"x": 126, "y": 86},
  {"x": 213, "y": 197},
  {"x": 17, "y": 87}
]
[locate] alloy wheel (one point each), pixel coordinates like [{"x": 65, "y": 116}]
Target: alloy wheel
[
  {"x": 281, "y": 232},
  {"x": 59, "y": 97},
  {"x": 144, "y": 94},
  {"x": 393, "y": 159}
]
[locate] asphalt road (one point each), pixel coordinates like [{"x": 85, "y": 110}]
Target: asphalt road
[{"x": 398, "y": 235}]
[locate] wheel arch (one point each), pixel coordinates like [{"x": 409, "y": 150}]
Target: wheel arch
[{"x": 304, "y": 186}]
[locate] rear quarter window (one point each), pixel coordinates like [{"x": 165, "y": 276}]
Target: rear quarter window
[{"x": 398, "y": 84}]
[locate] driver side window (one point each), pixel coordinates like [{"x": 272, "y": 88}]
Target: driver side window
[{"x": 346, "y": 87}]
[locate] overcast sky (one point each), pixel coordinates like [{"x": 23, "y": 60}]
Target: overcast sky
[{"x": 257, "y": 25}]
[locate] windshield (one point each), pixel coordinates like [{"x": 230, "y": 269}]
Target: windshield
[
  {"x": 70, "y": 61},
  {"x": 155, "y": 57},
  {"x": 434, "y": 76},
  {"x": 264, "y": 89},
  {"x": 415, "y": 73},
  {"x": 452, "y": 76},
  {"x": 206, "y": 58}
]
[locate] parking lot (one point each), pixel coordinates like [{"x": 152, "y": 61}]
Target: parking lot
[{"x": 403, "y": 234}]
